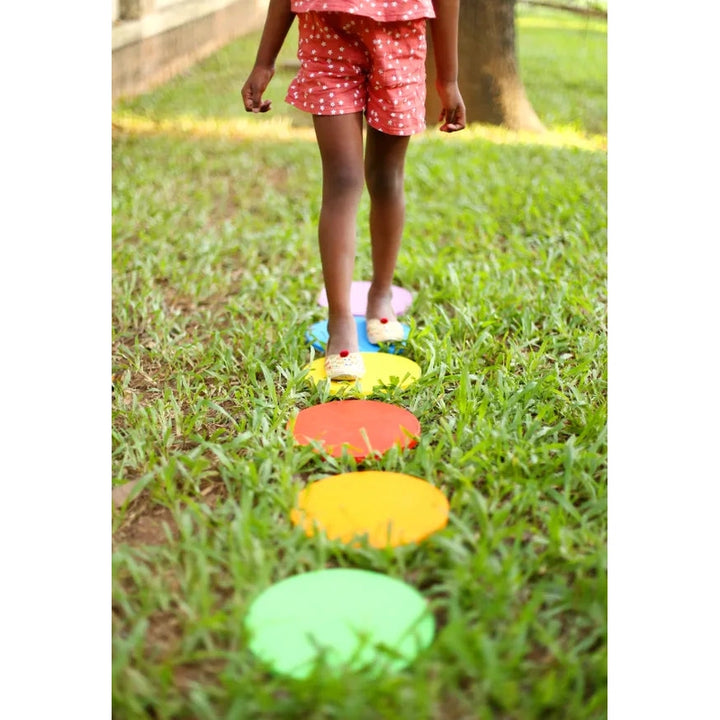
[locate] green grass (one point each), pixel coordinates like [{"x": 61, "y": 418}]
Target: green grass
[
  {"x": 215, "y": 279},
  {"x": 563, "y": 63}
]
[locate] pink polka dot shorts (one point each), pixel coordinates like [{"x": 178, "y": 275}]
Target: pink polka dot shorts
[{"x": 350, "y": 63}]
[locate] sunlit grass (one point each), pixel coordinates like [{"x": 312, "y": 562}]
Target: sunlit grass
[
  {"x": 271, "y": 128},
  {"x": 550, "y": 19},
  {"x": 563, "y": 65},
  {"x": 282, "y": 128}
]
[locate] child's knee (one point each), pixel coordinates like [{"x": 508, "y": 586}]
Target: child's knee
[
  {"x": 384, "y": 182},
  {"x": 343, "y": 180}
]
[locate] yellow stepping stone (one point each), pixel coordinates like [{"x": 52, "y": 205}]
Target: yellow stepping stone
[
  {"x": 381, "y": 369},
  {"x": 390, "y": 508}
]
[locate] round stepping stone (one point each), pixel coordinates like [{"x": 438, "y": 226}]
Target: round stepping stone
[
  {"x": 363, "y": 427},
  {"x": 380, "y": 369},
  {"x": 317, "y": 336},
  {"x": 339, "y": 619},
  {"x": 390, "y": 508},
  {"x": 401, "y": 298}
]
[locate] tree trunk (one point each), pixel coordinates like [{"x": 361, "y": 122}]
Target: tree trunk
[{"x": 488, "y": 70}]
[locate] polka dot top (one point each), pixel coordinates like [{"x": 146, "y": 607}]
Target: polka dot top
[{"x": 382, "y": 10}]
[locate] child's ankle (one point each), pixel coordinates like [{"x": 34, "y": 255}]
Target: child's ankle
[
  {"x": 380, "y": 292},
  {"x": 342, "y": 334}
]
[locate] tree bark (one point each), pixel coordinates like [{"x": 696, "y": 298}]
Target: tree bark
[{"x": 488, "y": 73}]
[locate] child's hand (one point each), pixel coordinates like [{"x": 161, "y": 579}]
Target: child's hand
[
  {"x": 254, "y": 87},
  {"x": 453, "y": 107}
]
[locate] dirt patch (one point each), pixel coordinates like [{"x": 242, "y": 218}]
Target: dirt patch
[
  {"x": 199, "y": 673},
  {"x": 145, "y": 520},
  {"x": 121, "y": 493},
  {"x": 164, "y": 633},
  {"x": 144, "y": 524},
  {"x": 139, "y": 383},
  {"x": 452, "y": 707}
]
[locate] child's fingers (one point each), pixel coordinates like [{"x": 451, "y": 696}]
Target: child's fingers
[
  {"x": 454, "y": 119},
  {"x": 458, "y": 120},
  {"x": 253, "y": 89},
  {"x": 252, "y": 98}
]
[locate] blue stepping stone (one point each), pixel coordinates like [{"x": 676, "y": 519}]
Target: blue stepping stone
[{"x": 317, "y": 336}]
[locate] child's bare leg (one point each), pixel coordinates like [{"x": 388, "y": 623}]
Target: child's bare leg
[
  {"x": 384, "y": 175},
  {"x": 341, "y": 150}
]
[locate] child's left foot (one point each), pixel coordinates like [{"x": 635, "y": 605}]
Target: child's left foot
[{"x": 380, "y": 330}]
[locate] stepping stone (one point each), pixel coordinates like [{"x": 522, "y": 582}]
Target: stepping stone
[
  {"x": 389, "y": 508},
  {"x": 317, "y": 336},
  {"x": 381, "y": 369},
  {"x": 362, "y": 427},
  {"x": 401, "y": 298},
  {"x": 339, "y": 619}
]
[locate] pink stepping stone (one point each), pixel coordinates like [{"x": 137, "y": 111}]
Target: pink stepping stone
[{"x": 401, "y": 298}]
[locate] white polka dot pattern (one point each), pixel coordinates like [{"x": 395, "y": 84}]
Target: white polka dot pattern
[
  {"x": 351, "y": 64},
  {"x": 382, "y": 10}
]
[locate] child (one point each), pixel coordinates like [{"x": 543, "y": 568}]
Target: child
[{"x": 361, "y": 56}]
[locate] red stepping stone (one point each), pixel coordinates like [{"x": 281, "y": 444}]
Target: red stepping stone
[{"x": 365, "y": 427}]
